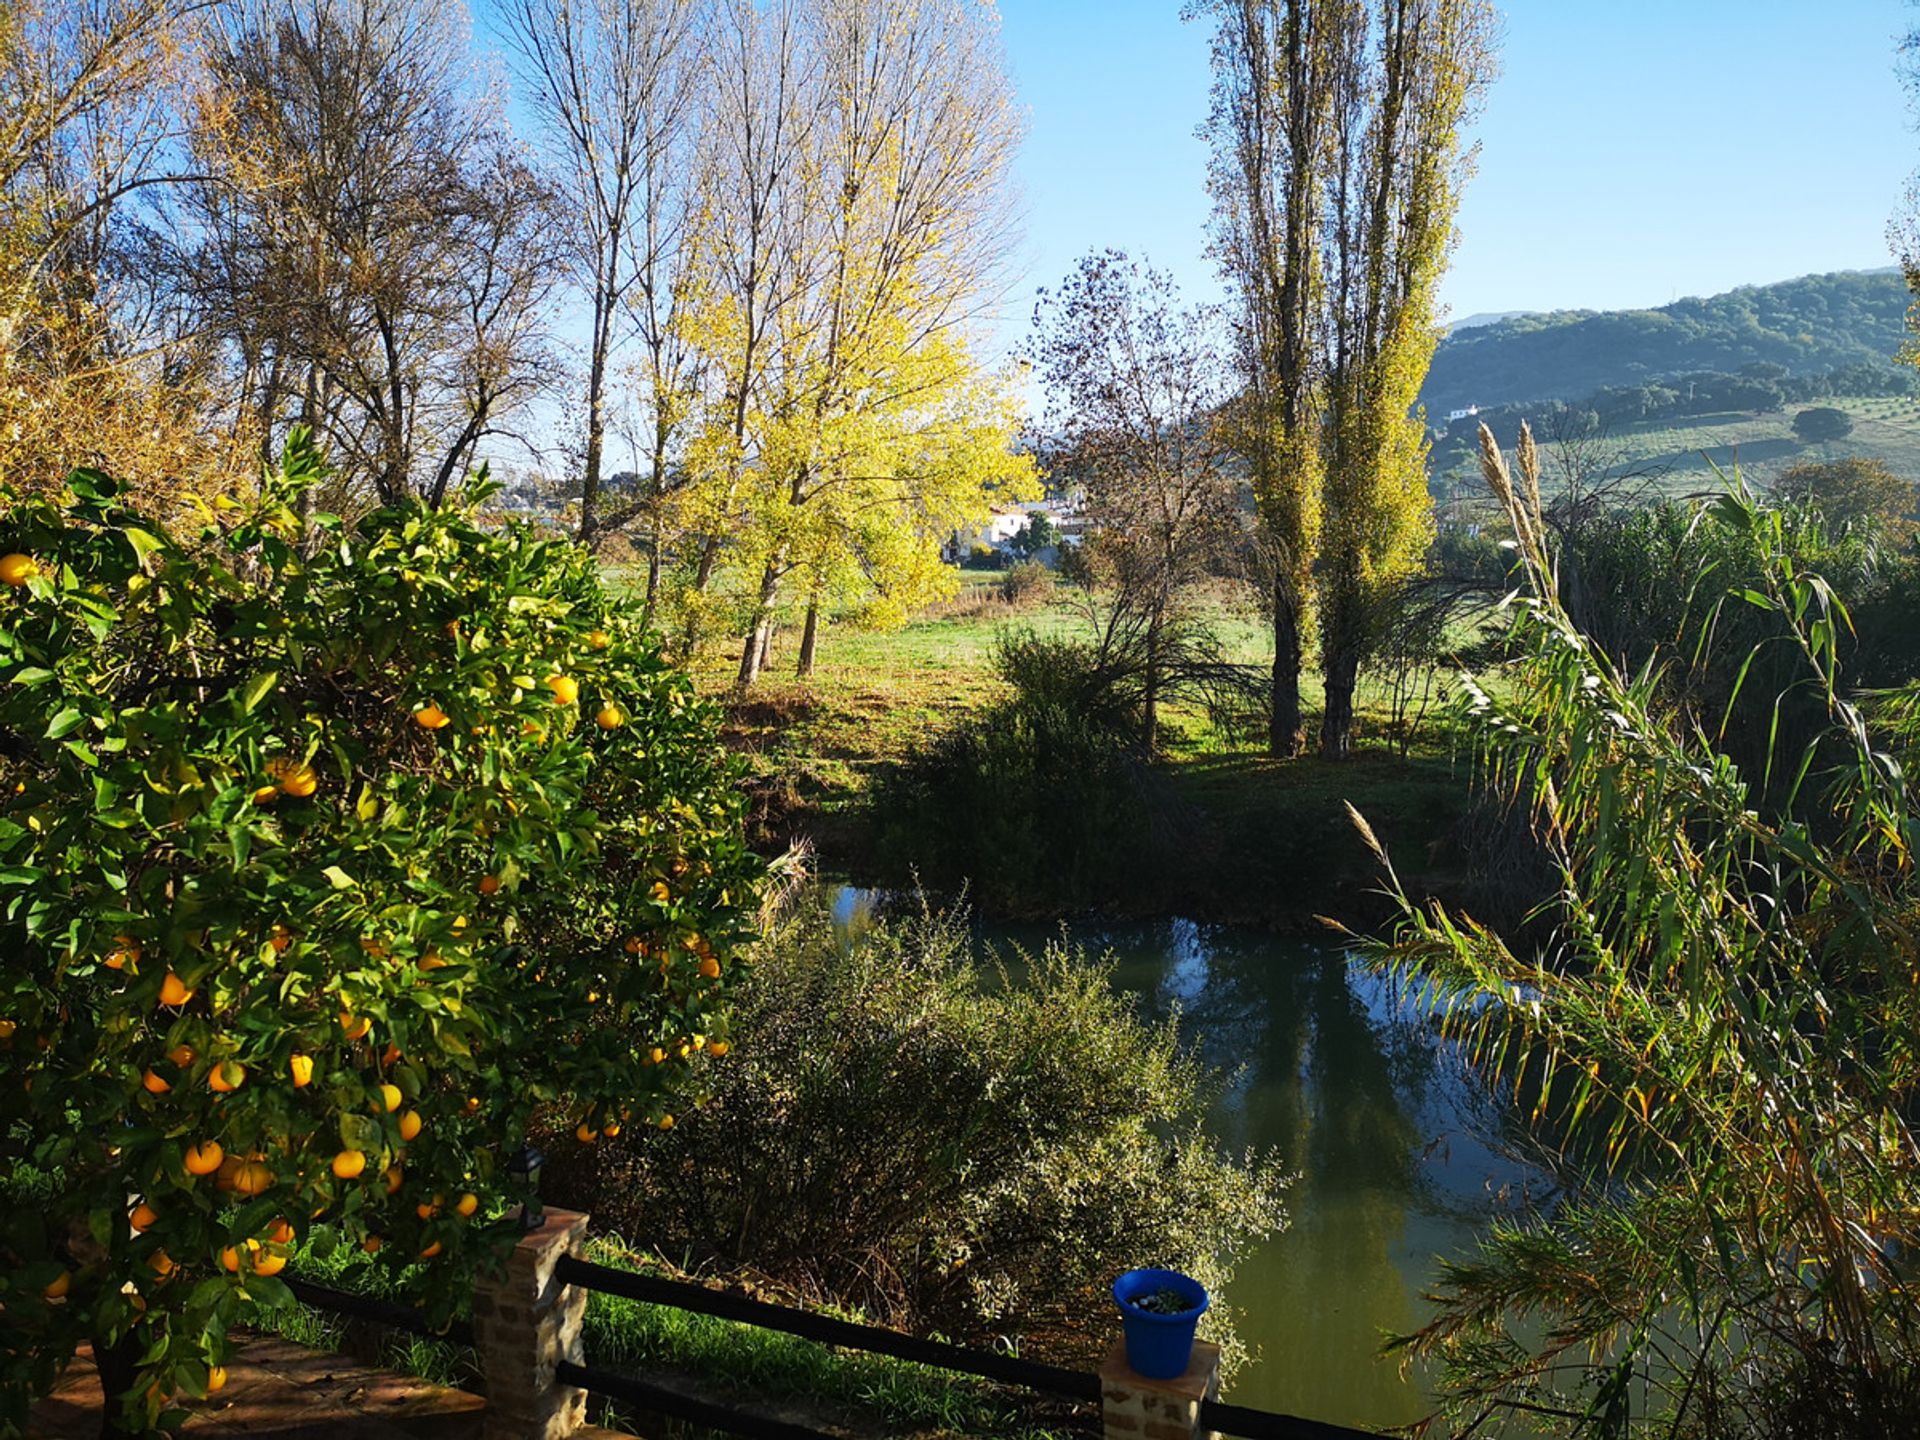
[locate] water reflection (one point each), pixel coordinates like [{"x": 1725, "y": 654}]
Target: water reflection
[{"x": 1324, "y": 1063}]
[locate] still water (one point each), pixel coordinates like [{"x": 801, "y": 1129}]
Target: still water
[{"x": 1380, "y": 1123}]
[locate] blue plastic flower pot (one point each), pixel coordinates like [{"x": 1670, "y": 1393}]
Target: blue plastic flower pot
[{"x": 1159, "y": 1346}]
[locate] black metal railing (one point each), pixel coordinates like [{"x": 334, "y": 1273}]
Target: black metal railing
[
  {"x": 682, "y": 1295},
  {"x": 1079, "y": 1386},
  {"x": 379, "y": 1312}
]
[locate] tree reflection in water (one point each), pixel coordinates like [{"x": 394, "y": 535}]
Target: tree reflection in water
[{"x": 1319, "y": 1060}]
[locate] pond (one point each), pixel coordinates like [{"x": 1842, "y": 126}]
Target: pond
[{"x": 1323, "y": 1062}]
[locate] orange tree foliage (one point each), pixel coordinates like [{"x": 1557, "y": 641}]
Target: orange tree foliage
[{"x": 343, "y": 850}]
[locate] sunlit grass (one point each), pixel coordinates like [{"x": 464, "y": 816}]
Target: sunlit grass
[{"x": 721, "y": 1360}]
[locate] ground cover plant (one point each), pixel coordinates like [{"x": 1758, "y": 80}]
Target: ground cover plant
[{"x": 327, "y": 855}]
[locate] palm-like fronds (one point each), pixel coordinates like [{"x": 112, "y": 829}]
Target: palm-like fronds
[{"x": 1721, "y": 1033}]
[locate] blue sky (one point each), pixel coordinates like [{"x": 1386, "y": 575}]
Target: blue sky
[{"x": 1631, "y": 152}]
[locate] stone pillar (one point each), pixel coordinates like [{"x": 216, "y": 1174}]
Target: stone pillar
[
  {"x": 1133, "y": 1407},
  {"x": 524, "y": 1324}
]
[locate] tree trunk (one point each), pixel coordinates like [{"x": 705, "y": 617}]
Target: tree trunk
[
  {"x": 1287, "y": 733},
  {"x": 596, "y": 438},
  {"x": 653, "y": 580},
  {"x": 753, "y": 654},
  {"x": 118, "y": 1365},
  {"x": 1150, "y": 696},
  {"x": 596, "y": 411},
  {"x": 809, "y": 638},
  {"x": 1336, "y": 729},
  {"x": 702, "y": 576}
]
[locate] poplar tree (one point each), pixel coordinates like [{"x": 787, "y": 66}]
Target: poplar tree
[{"x": 1338, "y": 161}]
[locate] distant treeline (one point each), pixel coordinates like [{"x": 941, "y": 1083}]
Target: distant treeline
[
  {"x": 1760, "y": 388},
  {"x": 1811, "y": 326}
]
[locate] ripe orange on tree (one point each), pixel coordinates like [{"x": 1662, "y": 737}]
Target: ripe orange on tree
[
  {"x": 17, "y": 569},
  {"x": 162, "y": 913}
]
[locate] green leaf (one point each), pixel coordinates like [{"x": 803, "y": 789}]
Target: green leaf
[
  {"x": 360, "y": 1132},
  {"x": 257, "y": 689},
  {"x": 65, "y": 723},
  {"x": 145, "y": 543},
  {"x": 268, "y": 1292},
  {"x": 339, "y": 878}
]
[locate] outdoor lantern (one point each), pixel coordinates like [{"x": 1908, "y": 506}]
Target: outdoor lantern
[{"x": 525, "y": 1165}]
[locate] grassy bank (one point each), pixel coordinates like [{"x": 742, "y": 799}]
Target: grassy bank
[
  {"x": 763, "y": 1370},
  {"x": 1237, "y": 836}
]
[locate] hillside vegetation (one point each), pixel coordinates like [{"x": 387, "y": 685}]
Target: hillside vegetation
[
  {"x": 1808, "y": 326},
  {"x": 1680, "y": 455}
]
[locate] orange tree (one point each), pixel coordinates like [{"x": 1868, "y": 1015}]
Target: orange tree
[{"x": 328, "y": 855}]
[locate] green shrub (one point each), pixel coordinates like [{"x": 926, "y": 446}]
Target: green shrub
[
  {"x": 943, "y": 1145},
  {"x": 1033, "y": 808},
  {"x": 1027, "y": 583},
  {"x": 312, "y": 850},
  {"x": 1040, "y": 801}
]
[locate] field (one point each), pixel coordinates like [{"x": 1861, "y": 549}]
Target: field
[
  {"x": 1679, "y": 456},
  {"x": 1270, "y": 840}
]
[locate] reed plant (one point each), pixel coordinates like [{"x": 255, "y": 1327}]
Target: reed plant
[{"x": 1714, "y": 1027}]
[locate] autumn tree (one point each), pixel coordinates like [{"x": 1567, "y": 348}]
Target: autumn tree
[
  {"x": 612, "y": 84},
  {"x": 1337, "y": 130},
  {"x": 1270, "y": 127},
  {"x": 369, "y": 243},
  {"x": 849, "y": 422},
  {"x": 742, "y": 268},
  {"x": 97, "y": 357},
  {"x": 1852, "y": 491},
  {"x": 1136, "y": 385}
]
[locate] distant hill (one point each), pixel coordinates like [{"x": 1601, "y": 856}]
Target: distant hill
[
  {"x": 1808, "y": 326},
  {"x": 1486, "y": 317}
]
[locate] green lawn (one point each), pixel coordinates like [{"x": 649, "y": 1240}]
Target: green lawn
[{"x": 1268, "y": 835}]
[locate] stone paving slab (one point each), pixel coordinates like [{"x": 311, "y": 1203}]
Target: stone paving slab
[
  {"x": 287, "y": 1392},
  {"x": 275, "y": 1388}
]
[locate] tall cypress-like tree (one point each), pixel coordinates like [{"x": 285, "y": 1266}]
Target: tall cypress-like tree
[{"x": 1338, "y": 160}]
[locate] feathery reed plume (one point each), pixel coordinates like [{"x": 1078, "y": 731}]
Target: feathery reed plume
[
  {"x": 1493, "y": 466},
  {"x": 1529, "y": 456}
]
